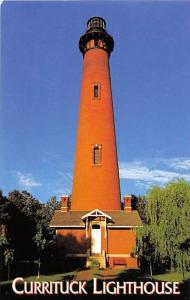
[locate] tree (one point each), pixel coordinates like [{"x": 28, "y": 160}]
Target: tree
[
  {"x": 21, "y": 226},
  {"x": 6, "y": 253},
  {"x": 45, "y": 236},
  {"x": 3, "y": 209},
  {"x": 138, "y": 203},
  {"x": 9, "y": 257},
  {"x": 40, "y": 243},
  {"x": 167, "y": 214},
  {"x": 50, "y": 207},
  {"x": 146, "y": 249},
  {"x": 25, "y": 230},
  {"x": 3, "y": 223},
  {"x": 3, "y": 245}
]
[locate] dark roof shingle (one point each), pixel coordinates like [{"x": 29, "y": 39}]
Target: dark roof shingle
[{"x": 73, "y": 218}]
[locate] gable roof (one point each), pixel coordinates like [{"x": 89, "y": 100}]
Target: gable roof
[
  {"x": 96, "y": 213},
  {"x": 119, "y": 218}
]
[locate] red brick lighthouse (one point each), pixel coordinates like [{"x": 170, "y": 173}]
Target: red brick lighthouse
[
  {"x": 96, "y": 179},
  {"x": 95, "y": 226}
]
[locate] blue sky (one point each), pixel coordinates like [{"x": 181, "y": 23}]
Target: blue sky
[{"x": 41, "y": 77}]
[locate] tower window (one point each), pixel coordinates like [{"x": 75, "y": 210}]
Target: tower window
[
  {"x": 96, "y": 43},
  {"x": 96, "y": 91},
  {"x": 97, "y": 154}
]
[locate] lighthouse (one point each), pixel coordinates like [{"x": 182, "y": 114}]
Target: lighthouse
[
  {"x": 94, "y": 225},
  {"x": 96, "y": 177}
]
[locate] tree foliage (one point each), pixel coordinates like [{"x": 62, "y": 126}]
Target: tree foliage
[
  {"x": 138, "y": 203},
  {"x": 24, "y": 228},
  {"x": 21, "y": 227},
  {"x": 167, "y": 213}
]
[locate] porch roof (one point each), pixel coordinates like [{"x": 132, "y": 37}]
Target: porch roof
[
  {"x": 119, "y": 218},
  {"x": 96, "y": 213}
]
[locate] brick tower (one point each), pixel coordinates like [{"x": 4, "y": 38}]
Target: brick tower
[{"x": 96, "y": 179}]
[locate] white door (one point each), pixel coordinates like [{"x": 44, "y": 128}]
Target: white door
[{"x": 96, "y": 239}]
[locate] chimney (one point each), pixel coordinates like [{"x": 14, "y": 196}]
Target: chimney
[
  {"x": 64, "y": 203},
  {"x": 127, "y": 203}
]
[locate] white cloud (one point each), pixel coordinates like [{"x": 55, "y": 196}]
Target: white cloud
[
  {"x": 147, "y": 173},
  {"x": 26, "y": 180},
  {"x": 180, "y": 163},
  {"x": 144, "y": 184}
]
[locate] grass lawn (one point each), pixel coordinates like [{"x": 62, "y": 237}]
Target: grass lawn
[
  {"x": 108, "y": 274},
  {"x": 172, "y": 276},
  {"x": 53, "y": 277}
]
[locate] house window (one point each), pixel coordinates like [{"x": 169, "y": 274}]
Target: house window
[
  {"x": 97, "y": 153},
  {"x": 95, "y": 226},
  {"x": 96, "y": 91}
]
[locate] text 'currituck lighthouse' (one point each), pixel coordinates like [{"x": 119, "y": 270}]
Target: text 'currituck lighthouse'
[{"x": 94, "y": 226}]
